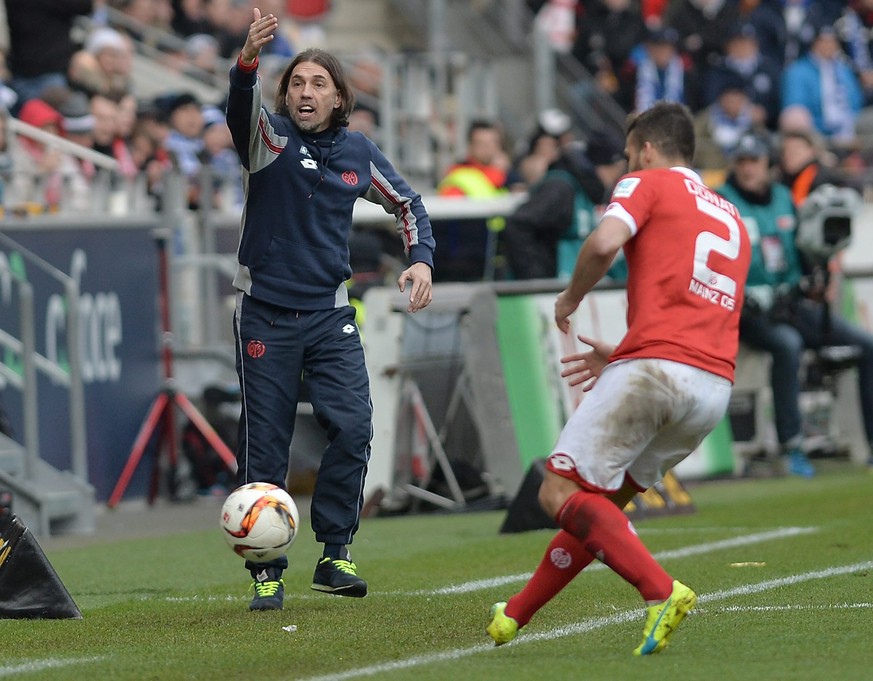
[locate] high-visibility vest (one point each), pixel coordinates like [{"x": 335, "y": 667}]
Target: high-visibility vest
[{"x": 475, "y": 184}]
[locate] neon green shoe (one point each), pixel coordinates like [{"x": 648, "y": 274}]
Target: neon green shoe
[
  {"x": 501, "y": 628},
  {"x": 269, "y": 588},
  {"x": 664, "y": 618},
  {"x": 339, "y": 577}
]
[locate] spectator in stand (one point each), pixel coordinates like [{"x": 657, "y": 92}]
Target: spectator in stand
[
  {"x": 191, "y": 17},
  {"x": 364, "y": 119},
  {"x": 781, "y": 315},
  {"x": 220, "y": 156},
  {"x": 761, "y": 76},
  {"x": 822, "y": 82},
  {"x": 653, "y": 12},
  {"x": 765, "y": 16},
  {"x": 556, "y": 20},
  {"x": 855, "y": 29},
  {"x": 795, "y": 117},
  {"x": 45, "y": 178},
  {"x": 78, "y": 127},
  {"x": 805, "y": 165},
  {"x": 184, "y": 142},
  {"x": 185, "y": 139},
  {"x": 366, "y": 74},
  {"x": 202, "y": 55},
  {"x": 606, "y": 36},
  {"x": 702, "y": 26},
  {"x": 553, "y": 132},
  {"x": 40, "y": 44},
  {"x": 309, "y": 15},
  {"x": 658, "y": 72},
  {"x": 149, "y": 156},
  {"x": 802, "y": 19},
  {"x": 483, "y": 174},
  {"x": 721, "y": 125},
  {"x": 153, "y": 120},
  {"x": 142, "y": 15},
  {"x": 128, "y": 110},
  {"x": 217, "y": 13},
  {"x": 104, "y": 66},
  {"x": 484, "y": 171},
  {"x": 108, "y": 134},
  {"x": 232, "y": 18},
  {"x": 544, "y": 234}
]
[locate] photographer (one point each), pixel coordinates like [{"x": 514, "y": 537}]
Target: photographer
[{"x": 785, "y": 311}]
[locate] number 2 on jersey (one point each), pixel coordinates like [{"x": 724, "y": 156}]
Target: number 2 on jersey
[{"x": 707, "y": 242}]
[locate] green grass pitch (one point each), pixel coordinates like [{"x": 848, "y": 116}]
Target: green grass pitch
[{"x": 783, "y": 568}]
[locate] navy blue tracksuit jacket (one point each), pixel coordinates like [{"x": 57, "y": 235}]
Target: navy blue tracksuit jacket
[{"x": 293, "y": 319}]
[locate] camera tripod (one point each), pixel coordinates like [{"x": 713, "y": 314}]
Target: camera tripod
[{"x": 161, "y": 417}]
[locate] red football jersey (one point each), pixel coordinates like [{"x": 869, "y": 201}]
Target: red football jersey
[{"x": 687, "y": 264}]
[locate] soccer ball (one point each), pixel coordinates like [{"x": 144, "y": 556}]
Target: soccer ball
[{"x": 259, "y": 521}]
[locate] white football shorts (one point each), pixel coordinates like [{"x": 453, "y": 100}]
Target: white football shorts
[{"x": 641, "y": 418}]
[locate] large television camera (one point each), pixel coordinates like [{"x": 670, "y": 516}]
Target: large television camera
[{"x": 825, "y": 221}]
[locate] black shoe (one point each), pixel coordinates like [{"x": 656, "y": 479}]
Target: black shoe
[
  {"x": 269, "y": 589},
  {"x": 338, "y": 577}
]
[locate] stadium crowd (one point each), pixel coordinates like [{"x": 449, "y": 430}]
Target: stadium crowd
[
  {"x": 774, "y": 67},
  {"x": 796, "y": 72},
  {"x": 68, "y": 69},
  {"x": 740, "y": 65}
]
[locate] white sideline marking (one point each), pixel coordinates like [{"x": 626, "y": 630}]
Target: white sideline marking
[
  {"x": 39, "y": 665},
  {"x": 586, "y": 625},
  {"x": 786, "y": 608},
  {"x": 783, "y": 581},
  {"x": 684, "y": 552},
  {"x": 480, "y": 584}
]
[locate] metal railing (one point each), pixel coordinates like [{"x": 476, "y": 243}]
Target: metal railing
[
  {"x": 69, "y": 377},
  {"x": 525, "y": 72},
  {"x": 108, "y": 191}
]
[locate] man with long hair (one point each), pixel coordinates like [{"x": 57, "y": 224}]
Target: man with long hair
[{"x": 294, "y": 327}]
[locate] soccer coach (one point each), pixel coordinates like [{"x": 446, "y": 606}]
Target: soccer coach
[{"x": 302, "y": 173}]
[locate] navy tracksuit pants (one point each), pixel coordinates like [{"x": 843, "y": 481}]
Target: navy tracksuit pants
[{"x": 277, "y": 349}]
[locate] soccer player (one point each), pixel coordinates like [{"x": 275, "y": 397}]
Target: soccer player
[
  {"x": 303, "y": 171},
  {"x": 652, "y": 399}
]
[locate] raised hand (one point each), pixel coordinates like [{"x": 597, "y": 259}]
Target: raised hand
[{"x": 260, "y": 33}]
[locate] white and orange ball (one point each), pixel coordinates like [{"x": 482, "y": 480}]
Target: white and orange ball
[{"x": 259, "y": 521}]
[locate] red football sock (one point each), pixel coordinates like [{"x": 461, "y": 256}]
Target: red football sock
[
  {"x": 607, "y": 534},
  {"x": 565, "y": 558}
]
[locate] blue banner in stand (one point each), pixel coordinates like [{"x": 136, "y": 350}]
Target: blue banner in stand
[{"x": 117, "y": 271}]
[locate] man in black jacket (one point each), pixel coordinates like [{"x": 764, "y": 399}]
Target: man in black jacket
[
  {"x": 40, "y": 46},
  {"x": 561, "y": 208}
]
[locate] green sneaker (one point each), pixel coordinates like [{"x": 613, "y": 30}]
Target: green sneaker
[
  {"x": 663, "y": 619},
  {"x": 269, "y": 590},
  {"x": 338, "y": 577},
  {"x": 501, "y": 628}
]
